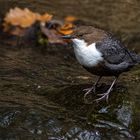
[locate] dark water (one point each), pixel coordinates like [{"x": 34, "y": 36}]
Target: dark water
[{"x": 41, "y": 94}]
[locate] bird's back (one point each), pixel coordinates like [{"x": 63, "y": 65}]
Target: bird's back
[{"x": 114, "y": 52}]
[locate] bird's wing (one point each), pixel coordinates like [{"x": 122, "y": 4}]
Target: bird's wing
[{"x": 113, "y": 51}]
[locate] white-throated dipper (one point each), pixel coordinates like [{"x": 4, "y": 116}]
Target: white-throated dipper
[{"x": 101, "y": 54}]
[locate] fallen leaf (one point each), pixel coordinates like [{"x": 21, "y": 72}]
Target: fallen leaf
[
  {"x": 52, "y": 35},
  {"x": 66, "y": 29},
  {"x": 70, "y": 19},
  {"x": 44, "y": 18},
  {"x": 18, "y": 17},
  {"x": 23, "y": 18}
]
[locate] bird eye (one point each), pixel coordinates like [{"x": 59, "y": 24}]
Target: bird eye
[{"x": 80, "y": 35}]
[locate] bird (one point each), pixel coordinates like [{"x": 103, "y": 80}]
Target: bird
[{"x": 101, "y": 54}]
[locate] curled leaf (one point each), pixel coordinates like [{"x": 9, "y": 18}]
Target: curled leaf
[
  {"x": 52, "y": 36},
  {"x": 66, "y": 29}
]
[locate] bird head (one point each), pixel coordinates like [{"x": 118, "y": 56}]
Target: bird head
[
  {"x": 86, "y": 35},
  {"x": 80, "y": 35}
]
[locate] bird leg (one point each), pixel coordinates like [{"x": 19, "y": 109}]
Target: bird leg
[
  {"x": 106, "y": 94},
  {"x": 89, "y": 90}
]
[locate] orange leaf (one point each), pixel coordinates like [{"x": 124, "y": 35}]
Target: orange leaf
[
  {"x": 67, "y": 26},
  {"x": 66, "y": 29},
  {"x": 67, "y": 32},
  {"x": 44, "y": 18},
  {"x": 70, "y": 19},
  {"x": 24, "y": 17},
  {"x": 18, "y": 17}
]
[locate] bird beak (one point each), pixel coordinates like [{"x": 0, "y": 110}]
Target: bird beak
[{"x": 67, "y": 37}]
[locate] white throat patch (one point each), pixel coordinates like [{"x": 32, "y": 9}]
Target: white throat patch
[{"x": 87, "y": 56}]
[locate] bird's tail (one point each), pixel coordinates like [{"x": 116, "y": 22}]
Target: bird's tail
[
  {"x": 134, "y": 56},
  {"x": 138, "y": 58}
]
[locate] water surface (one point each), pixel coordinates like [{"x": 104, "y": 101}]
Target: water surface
[{"x": 41, "y": 91}]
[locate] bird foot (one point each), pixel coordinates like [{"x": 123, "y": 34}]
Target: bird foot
[
  {"x": 88, "y": 91},
  {"x": 103, "y": 96}
]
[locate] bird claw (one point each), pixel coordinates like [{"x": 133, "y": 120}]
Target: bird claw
[
  {"x": 86, "y": 89},
  {"x": 103, "y": 96},
  {"x": 89, "y": 90}
]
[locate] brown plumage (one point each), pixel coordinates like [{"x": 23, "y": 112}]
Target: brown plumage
[{"x": 90, "y": 34}]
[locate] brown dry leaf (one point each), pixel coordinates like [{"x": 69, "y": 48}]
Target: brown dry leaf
[
  {"x": 44, "y": 18},
  {"x": 66, "y": 29},
  {"x": 18, "y": 17},
  {"x": 70, "y": 19},
  {"x": 22, "y": 18}
]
